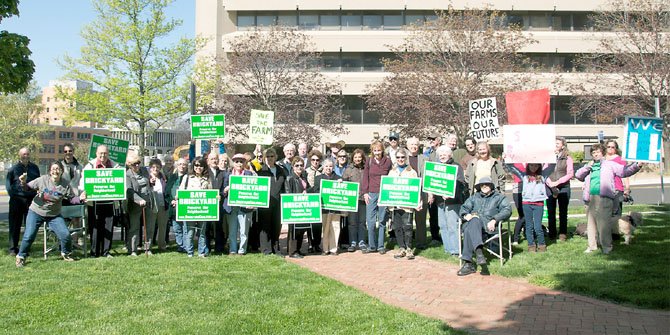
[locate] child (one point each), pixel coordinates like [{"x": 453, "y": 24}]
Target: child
[{"x": 532, "y": 199}]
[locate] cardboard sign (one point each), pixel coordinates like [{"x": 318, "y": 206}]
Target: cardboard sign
[
  {"x": 249, "y": 191},
  {"x": 399, "y": 191},
  {"x": 339, "y": 196},
  {"x": 105, "y": 184},
  {"x": 484, "y": 119},
  {"x": 208, "y": 127},
  {"x": 300, "y": 208},
  {"x": 261, "y": 127},
  {"x": 118, "y": 149},
  {"x": 529, "y": 143},
  {"x": 528, "y": 107},
  {"x": 643, "y": 139},
  {"x": 440, "y": 179},
  {"x": 197, "y": 205}
]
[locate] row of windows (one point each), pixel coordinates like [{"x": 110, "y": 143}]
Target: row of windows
[
  {"x": 397, "y": 20},
  {"x": 64, "y": 135}
]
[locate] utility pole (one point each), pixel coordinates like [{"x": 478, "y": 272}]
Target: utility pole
[{"x": 661, "y": 165}]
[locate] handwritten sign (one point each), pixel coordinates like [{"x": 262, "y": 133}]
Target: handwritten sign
[
  {"x": 484, "y": 119},
  {"x": 529, "y": 143},
  {"x": 643, "y": 139},
  {"x": 261, "y": 127}
]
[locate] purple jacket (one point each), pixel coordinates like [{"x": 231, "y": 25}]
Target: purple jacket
[{"x": 608, "y": 170}]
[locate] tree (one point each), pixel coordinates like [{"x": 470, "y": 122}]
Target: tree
[
  {"x": 443, "y": 64},
  {"x": 277, "y": 70},
  {"x": 16, "y": 112},
  {"x": 16, "y": 68},
  {"x": 135, "y": 78}
]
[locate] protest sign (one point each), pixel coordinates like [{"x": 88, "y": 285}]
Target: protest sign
[
  {"x": 529, "y": 143},
  {"x": 399, "y": 191},
  {"x": 339, "y": 196},
  {"x": 118, "y": 149},
  {"x": 104, "y": 184},
  {"x": 208, "y": 126},
  {"x": 261, "y": 127},
  {"x": 440, "y": 179},
  {"x": 643, "y": 137},
  {"x": 527, "y": 107},
  {"x": 300, "y": 208},
  {"x": 249, "y": 191},
  {"x": 197, "y": 205},
  {"x": 484, "y": 119}
]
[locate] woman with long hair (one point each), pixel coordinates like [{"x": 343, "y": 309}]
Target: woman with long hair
[
  {"x": 375, "y": 167},
  {"x": 197, "y": 179},
  {"x": 356, "y": 220}
]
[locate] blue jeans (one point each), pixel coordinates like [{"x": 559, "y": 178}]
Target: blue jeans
[
  {"x": 189, "y": 230},
  {"x": 447, "y": 218},
  {"x": 533, "y": 215},
  {"x": 238, "y": 220},
  {"x": 374, "y": 214},
  {"x": 56, "y": 224},
  {"x": 178, "y": 228}
]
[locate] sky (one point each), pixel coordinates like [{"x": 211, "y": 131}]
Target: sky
[{"x": 54, "y": 27}]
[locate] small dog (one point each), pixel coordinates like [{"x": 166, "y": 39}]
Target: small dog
[{"x": 627, "y": 225}]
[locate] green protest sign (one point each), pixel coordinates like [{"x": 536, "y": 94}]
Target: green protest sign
[
  {"x": 399, "y": 191},
  {"x": 197, "y": 205},
  {"x": 300, "y": 208},
  {"x": 440, "y": 179},
  {"x": 105, "y": 184},
  {"x": 118, "y": 149},
  {"x": 261, "y": 125},
  {"x": 339, "y": 196},
  {"x": 249, "y": 191},
  {"x": 208, "y": 126}
]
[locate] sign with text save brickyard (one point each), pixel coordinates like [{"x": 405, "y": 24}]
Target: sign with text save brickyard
[
  {"x": 208, "y": 126},
  {"x": 399, "y": 191},
  {"x": 339, "y": 195},
  {"x": 300, "y": 208},
  {"x": 440, "y": 179},
  {"x": 105, "y": 184},
  {"x": 249, "y": 191},
  {"x": 118, "y": 149},
  {"x": 197, "y": 205}
]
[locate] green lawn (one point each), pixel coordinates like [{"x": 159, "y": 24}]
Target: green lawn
[
  {"x": 636, "y": 274},
  {"x": 171, "y": 294}
]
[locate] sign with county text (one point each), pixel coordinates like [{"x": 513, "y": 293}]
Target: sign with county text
[
  {"x": 249, "y": 191},
  {"x": 197, "y": 205},
  {"x": 105, "y": 184},
  {"x": 399, "y": 191},
  {"x": 339, "y": 195},
  {"x": 529, "y": 143},
  {"x": 300, "y": 208},
  {"x": 484, "y": 119},
  {"x": 208, "y": 126},
  {"x": 261, "y": 125},
  {"x": 118, "y": 149},
  {"x": 440, "y": 179},
  {"x": 643, "y": 139}
]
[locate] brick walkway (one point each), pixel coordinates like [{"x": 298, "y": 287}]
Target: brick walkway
[{"x": 486, "y": 304}]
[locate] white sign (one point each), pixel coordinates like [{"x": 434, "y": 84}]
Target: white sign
[
  {"x": 261, "y": 125},
  {"x": 529, "y": 143},
  {"x": 484, "y": 119}
]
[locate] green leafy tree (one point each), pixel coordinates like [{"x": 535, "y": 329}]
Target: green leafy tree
[
  {"x": 135, "y": 76},
  {"x": 16, "y": 112},
  {"x": 16, "y": 68}
]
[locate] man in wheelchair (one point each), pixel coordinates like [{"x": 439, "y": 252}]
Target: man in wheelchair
[{"x": 481, "y": 213}]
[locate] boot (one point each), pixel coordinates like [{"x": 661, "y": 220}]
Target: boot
[
  {"x": 541, "y": 248},
  {"x": 467, "y": 269},
  {"x": 481, "y": 260},
  {"x": 532, "y": 248}
]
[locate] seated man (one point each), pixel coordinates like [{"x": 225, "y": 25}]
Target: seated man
[{"x": 482, "y": 212}]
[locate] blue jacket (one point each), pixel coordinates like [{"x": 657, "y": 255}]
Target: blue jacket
[
  {"x": 487, "y": 207},
  {"x": 13, "y": 185}
]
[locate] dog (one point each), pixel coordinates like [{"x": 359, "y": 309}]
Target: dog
[{"x": 627, "y": 224}]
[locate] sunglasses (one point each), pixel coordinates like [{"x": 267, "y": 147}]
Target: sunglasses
[
  {"x": 298, "y": 165},
  {"x": 68, "y": 151},
  {"x": 316, "y": 159},
  {"x": 400, "y": 157},
  {"x": 611, "y": 147},
  {"x": 135, "y": 164},
  {"x": 238, "y": 161},
  {"x": 392, "y": 139},
  {"x": 431, "y": 138},
  {"x": 341, "y": 156},
  {"x": 197, "y": 165}
]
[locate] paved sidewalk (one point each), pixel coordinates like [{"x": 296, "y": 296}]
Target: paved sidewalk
[{"x": 482, "y": 304}]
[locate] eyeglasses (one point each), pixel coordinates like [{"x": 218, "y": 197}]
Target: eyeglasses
[
  {"x": 431, "y": 138},
  {"x": 400, "y": 157},
  {"x": 316, "y": 159},
  {"x": 341, "y": 156},
  {"x": 392, "y": 139},
  {"x": 135, "y": 164},
  {"x": 298, "y": 165},
  {"x": 611, "y": 147},
  {"x": 238, "y": 161},
  {"x": 68, "y": 151}
]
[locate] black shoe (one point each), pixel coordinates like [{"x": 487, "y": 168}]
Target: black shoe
[
  {"x": 467, "y": 269},
  {"x": 296, "y": 255},
  {"x": 318, "y": 250},
  {"x": 352, "y": 248},
  {"x": 481, "y": 260},
  {"x": 485, "y": 271}
]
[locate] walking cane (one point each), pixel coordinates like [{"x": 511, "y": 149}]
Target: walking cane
[{"x": 144, "y": 220}]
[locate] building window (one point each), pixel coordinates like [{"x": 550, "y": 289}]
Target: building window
[
  {"x": 308, "y": 22},
  {"x": 83, "y": 136},
  {"x": 287, "y": 20},
  {"x": 47, "y": 109},
  {"x": 329, "y": 21},
  {"x": 246, "y": 21},
  {"x": 266, "y": 20},
  {"x": 48, "y": 135},
  {"x": 351, "y": 21},
  {"x": 48, "y": 148},
  {"x": 392, "y": 21},
  {"x": 372, "y": 22},
  {"x": 65, "y": 135}
]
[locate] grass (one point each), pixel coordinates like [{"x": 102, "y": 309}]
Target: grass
[
  {"x": 637, "y": 274},
  {"x": 170, "y": 294}
]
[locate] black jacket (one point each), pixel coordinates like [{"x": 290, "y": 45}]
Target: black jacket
[{"x": 277, "y": 185}]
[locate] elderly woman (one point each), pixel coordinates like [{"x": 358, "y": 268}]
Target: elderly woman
[
  {"x": 141, "y": 204},
  {"x": 197, "y": 179},
  {"x": 403, "y": 217},
  {"x": 330, "y": 219},
  {"x": 485, "y": 166},
  {"x": 270, "y": 218},
  {"x": 356, "y": 220},
  {"x": 449, "y": 207},
  {"x": 296, "y": 183},
  {"x": 375, "y": 167},
  {"x": 224, "y": 162},
  {"x": 238, "y": 217},
  {"x": 159, "y": 217},
  {"x": 314, "y": 168},
  {"x": 45, "y": 208},
  {"x": 599, "y": 192}
]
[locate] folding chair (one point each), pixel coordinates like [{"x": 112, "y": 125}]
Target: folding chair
[
  {"x": 68, "y": 213},
  {"x": 497, "y": 249}
]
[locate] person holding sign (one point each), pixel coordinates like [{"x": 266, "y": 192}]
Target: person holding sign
[
  {"x": 100, "y": 213},
  {"x": 239, "y": 219},
  {"x": 270, "y": 217},
  {"x": 197, "y": 179},
  {"x": 402, "y": 216},
  {"x": 356, "y": 220},
  {"x": 533, "y": 195},
  {"x": 375, "y": 167},
  {"x": 296, "y": 183},
  {"x": 174, "y": 180},
  {"x": 141, "y": 204},
  {"x": 599, "y": 192},
  {"x": 51, "y": 190},
  {"x": 330, "y": 219}
]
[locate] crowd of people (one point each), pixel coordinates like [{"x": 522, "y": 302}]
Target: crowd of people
[{"x": 479, "y": 202}]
